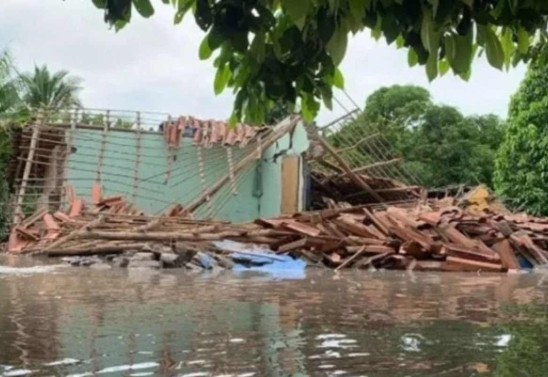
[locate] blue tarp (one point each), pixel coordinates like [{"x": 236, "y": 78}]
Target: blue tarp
[{"x": 264, "y": 261}]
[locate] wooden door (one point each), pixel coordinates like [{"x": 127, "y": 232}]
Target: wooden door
[{"x": 290, "y": 184}]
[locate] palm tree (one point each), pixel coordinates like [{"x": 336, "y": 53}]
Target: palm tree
[
  {"x": 9, "y": 96},
  {"x": 44, "y": 89}
]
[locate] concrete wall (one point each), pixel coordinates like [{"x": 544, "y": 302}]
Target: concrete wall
[{"x": 140, "y": 167}]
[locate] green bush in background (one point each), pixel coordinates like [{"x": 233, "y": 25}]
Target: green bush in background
[{"x": 521, "y": 175}]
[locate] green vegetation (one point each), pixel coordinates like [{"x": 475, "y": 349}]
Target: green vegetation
[
  {"x": 270, "y": 51},
  {"x": 440, "y": 146},
  {"x": 54, "y": 91},
  {"x": 521, "y": 176}
]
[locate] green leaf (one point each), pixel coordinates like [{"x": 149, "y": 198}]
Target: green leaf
[
  {"x": 101, "y": 4},
  {"x": 459, "y": 51},
  {"x": 443, "y": 67},
  {"x": 296, "y": 9},
  {"x": 338, "y": 79},
  {"x": 205, "y": 51},
  {"x": 390, "y": 28},
  {"x": 450, "y": 44},
  {"x": 144, "y": 7},
  {"x": 412, "y": 58},
  {"x": 183, "y": 6},
  {"x": 432, "y": 66},
  {"x": 523, "y": 41},
  {"x": 257, "y": 48},
  {"x": 327, "y": 97},
  {"x": 470, "y": 3},
  {"x": 376, "y": 32},
  {"x": 508, "y": 46},
  {"x": 309, "y": 107},
  {"x": 400, "y": 41},
  {"x": 465, "y": 75},
  {"x": 358, "y": 7},
  {"x": 493, "y": 48},
  {"x": 429, "y": 36},
  {"x": 435, "y": 5},
  {"x": 336, "y": 47},
  {"x": 221, "y": 79},
  {"x": 233, "y": 120}
]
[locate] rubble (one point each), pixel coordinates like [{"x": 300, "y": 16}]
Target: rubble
[
  {"x": 363, "y": 222},
  {"x": 434, "y": 236},
  {"x": 428, "y": 235}
]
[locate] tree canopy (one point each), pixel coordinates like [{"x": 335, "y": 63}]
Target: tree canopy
[
  {"x": 521, "y": 175},
  {"x": 439, "y": 145},
  {"x": 269, "y": 51},
  {"x": 52, "y": 90}
]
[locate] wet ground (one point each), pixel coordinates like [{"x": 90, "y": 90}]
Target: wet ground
[{"x": 59, "y": 321}]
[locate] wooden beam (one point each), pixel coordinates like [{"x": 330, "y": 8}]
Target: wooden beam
[
  {"x": 338, "y": 119},
  {"x": 378, "y": 165},
  {"x": 358, "y": 143},
  {"x": 18, "y": 212},
  {"x": 329, "y": 165},
  {"x": 342, "y": 163}
]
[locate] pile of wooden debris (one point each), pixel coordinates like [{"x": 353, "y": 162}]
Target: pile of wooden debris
[{"x": 437, "y": 236}]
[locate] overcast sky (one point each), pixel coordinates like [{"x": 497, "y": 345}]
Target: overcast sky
[{"x": 153, "y": 65}]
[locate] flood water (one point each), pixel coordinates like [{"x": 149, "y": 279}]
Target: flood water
[{"x": 85, "y": 322}]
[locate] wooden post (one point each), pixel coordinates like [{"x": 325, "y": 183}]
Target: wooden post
[
  {"x": 18, "y": 213},
  {"x": 136, "y": 172},
  {"x": 356, "y": 178}
]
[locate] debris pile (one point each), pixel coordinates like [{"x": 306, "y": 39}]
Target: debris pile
[
  {"x": 113, "y": 233},
  {"x": 437, "y": 236},
  {"x": 339, "y": 187}
]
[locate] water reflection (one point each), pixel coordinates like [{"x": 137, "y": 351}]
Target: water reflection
[{"x": 135, "y": 323}]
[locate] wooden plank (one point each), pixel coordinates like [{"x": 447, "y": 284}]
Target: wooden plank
[
  {"x": 378, "y": 223},
  {"x": 429, "y": 265},
  {"x": 302, "y": 228},
  {"x": 350, "y": 259},
  {"x": 366, "y": 262},
  {"x": 461, "y": 264},
  {"x": 298, "y": 244},
  {"x": 471, "y": 254},
  {"x": 402, "y": 216},
  {"x": 507, "y": 256},
  {"x": 354, "y": 228},
  {"x": 371, "y": 249},
  {"x": 406, "y": 234},
  {"x": 290, "y": 184},
  {"x": 33, "y": 218},
  {"x": 18, "y": 212}
]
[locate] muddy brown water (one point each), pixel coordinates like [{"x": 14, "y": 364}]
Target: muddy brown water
[{"x": 59, "y": 321}]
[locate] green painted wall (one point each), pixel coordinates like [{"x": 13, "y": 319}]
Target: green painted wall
[{"x": 140, "y": 168}]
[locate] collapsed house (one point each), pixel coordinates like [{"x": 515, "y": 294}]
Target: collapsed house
[
  {"x": 172, "y": 187},
  {"x": 214, "y": 171}
]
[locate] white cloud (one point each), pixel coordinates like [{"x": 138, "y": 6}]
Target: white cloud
[{"x": 153, "y": 65}]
